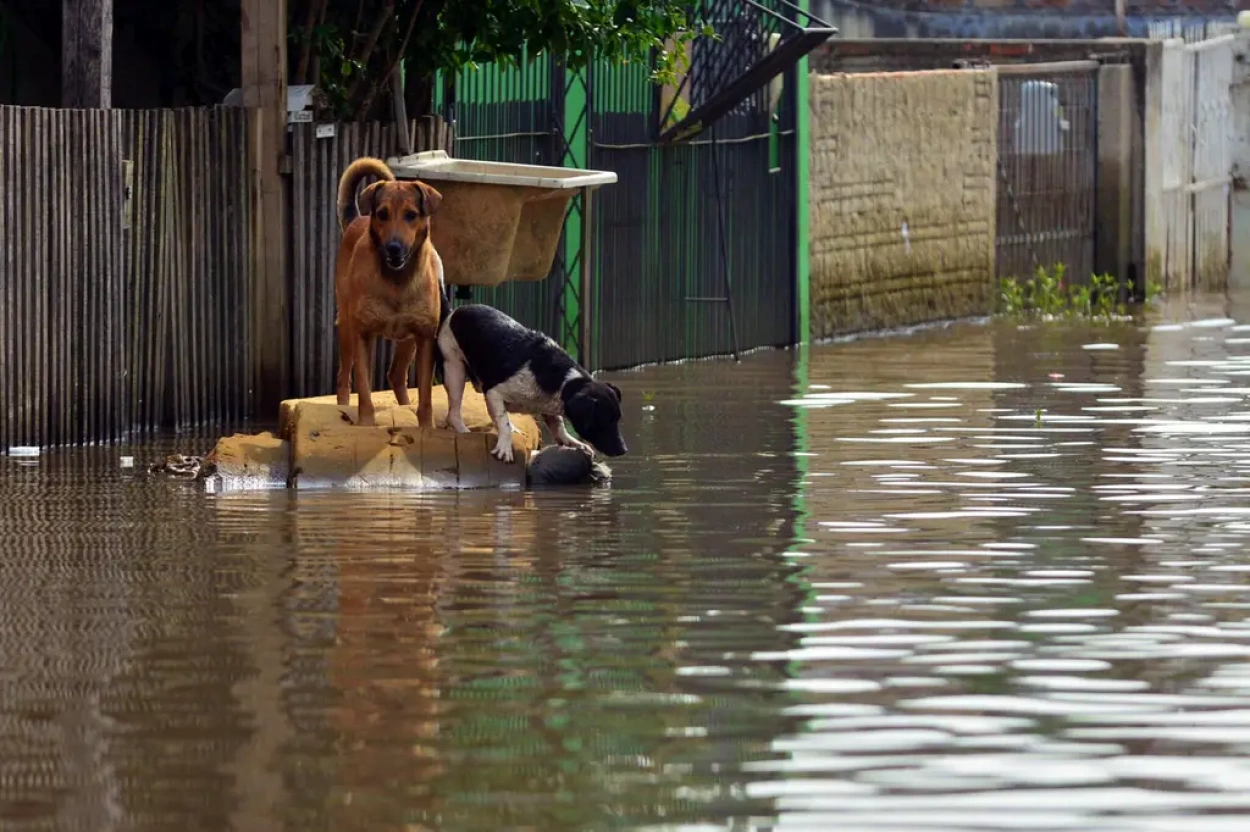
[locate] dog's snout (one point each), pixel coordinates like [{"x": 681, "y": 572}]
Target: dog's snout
[{"x": 394, "y": 249}]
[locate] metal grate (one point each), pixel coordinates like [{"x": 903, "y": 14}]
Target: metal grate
[
  {"x": 754, "y": 42},
  {"x": 676, "y": 280},
  {"x": 1047, "y": 154}
]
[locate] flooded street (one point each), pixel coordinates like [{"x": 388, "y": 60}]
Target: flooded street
[{"x": 984, "y": 577}]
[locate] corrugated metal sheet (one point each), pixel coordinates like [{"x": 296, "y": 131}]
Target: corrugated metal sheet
[
  {"x": 694, "y": 246},
  {"x": 109, "y": 330},
  {"x": 191, "y": 265},
  {"x": 62, "y": 277},
  {"x": 315, "y": 236},
  {"x": 660, "y": 269}
]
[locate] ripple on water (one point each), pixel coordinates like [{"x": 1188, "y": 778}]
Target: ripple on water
[{"x": 972, "y": 580}]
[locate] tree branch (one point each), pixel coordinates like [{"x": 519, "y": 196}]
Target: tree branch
[
  {"x": 366, "y": 50},
  {"x": 377, "y": 84},
  {"x": 316, "y": 14}
]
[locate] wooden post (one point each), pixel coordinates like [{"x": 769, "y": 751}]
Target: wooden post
[
  {"x": 264, "y": 92},
  {"x": 1120, "y": 24},
  {"x": 87, "y": 53},
  {"x": 399, "y": 108}
]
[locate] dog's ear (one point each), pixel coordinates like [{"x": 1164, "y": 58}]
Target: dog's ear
[
  {"x": 429, "y": 198},
  {"x": 368, "y": 199},
  {"x": 616, "y": 390},
  {"x": 580, "y": 408}
]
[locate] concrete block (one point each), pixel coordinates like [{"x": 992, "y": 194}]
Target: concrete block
[
  {"x": 245, "y": 461},
  {"x": 440, "y": 458},
  {"x": 389, "y": 414},
  {"x": 321, "y": 447},
  {"x": 472, "y": 454},
  {"x": 329, "y": 450}
]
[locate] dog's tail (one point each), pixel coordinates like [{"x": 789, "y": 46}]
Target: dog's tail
[{"x": 350, "y": 181}]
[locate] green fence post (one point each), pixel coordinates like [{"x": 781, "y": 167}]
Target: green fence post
[
  {"x": 576, "y": 143},
  {"x": 802, "y": 219}
]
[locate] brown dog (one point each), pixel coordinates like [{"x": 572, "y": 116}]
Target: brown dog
[{"x": 387, "y": 283}]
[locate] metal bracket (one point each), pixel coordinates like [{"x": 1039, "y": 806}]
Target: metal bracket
[{"x": 128, "y": 192}]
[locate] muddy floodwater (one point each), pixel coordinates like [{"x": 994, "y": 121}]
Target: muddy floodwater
[{"x": 976, "y": 578}]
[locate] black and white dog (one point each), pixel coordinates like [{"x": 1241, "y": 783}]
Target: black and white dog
[{"x": 522, "y": 370}]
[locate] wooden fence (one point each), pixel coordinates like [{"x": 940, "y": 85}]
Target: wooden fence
[
  {"x": 122, "y": 315},
  {"x": 317, "y": 162},
  {"x": 1189, "y": 138},
  {"x": 127, "y": 293}
]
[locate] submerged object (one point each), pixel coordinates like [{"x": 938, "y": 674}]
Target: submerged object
[{"x": 558, "y": 465}]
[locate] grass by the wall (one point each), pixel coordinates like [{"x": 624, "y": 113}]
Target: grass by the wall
[{"x": 1049, "y": 294}]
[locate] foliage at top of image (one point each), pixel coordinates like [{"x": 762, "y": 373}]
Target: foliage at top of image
[
  {"x": 350, "y": 48},
  {"x": 1048, "y": 294}
]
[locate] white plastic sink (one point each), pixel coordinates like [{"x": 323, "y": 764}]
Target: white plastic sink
[{"x": 498, "y": 221}]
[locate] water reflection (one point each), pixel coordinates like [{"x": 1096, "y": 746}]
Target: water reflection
[
  {"x": 550, "y": 660},
  {"x": 978, "y": 578}
]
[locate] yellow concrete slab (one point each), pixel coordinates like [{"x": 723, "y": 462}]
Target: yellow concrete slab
[
  {"x": 250, "y": 460},
  {"x": 326, "y": 411},
  {"x": 319, "y": 445},
  {"x": 329, "y": 450}
]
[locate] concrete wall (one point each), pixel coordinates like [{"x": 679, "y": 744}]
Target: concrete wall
[
  {"x": 1008, "y": 18},
  {"x": 1239, "y": 274},
  {"x": 846, "y": 54},
  {"x": 902, "y": 198}
]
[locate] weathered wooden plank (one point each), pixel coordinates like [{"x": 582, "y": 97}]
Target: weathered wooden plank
[
  {"x": 8, "y": 307},
  {"x": 86, "y": 53},
  {"x": 264, "y": 89}
]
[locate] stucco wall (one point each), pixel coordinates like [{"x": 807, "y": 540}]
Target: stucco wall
[{"x": 902, "y": 198}]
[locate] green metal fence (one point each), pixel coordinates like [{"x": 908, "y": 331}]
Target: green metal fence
[
  {"x": 693, "y": 252},
  {"x": 518, "y": 114}
]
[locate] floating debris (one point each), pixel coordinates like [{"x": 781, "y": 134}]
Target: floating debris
[{"x": 182, "y": 465}]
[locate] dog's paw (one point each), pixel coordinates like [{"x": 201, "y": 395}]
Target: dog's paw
[
  {"x": 502, "y": 451},
  {"x": 578, "y": 445}
]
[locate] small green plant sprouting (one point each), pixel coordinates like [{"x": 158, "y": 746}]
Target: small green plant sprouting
[
  {"x": 1048, "y": 294},
  {"x": 1154, "y": 290}
]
